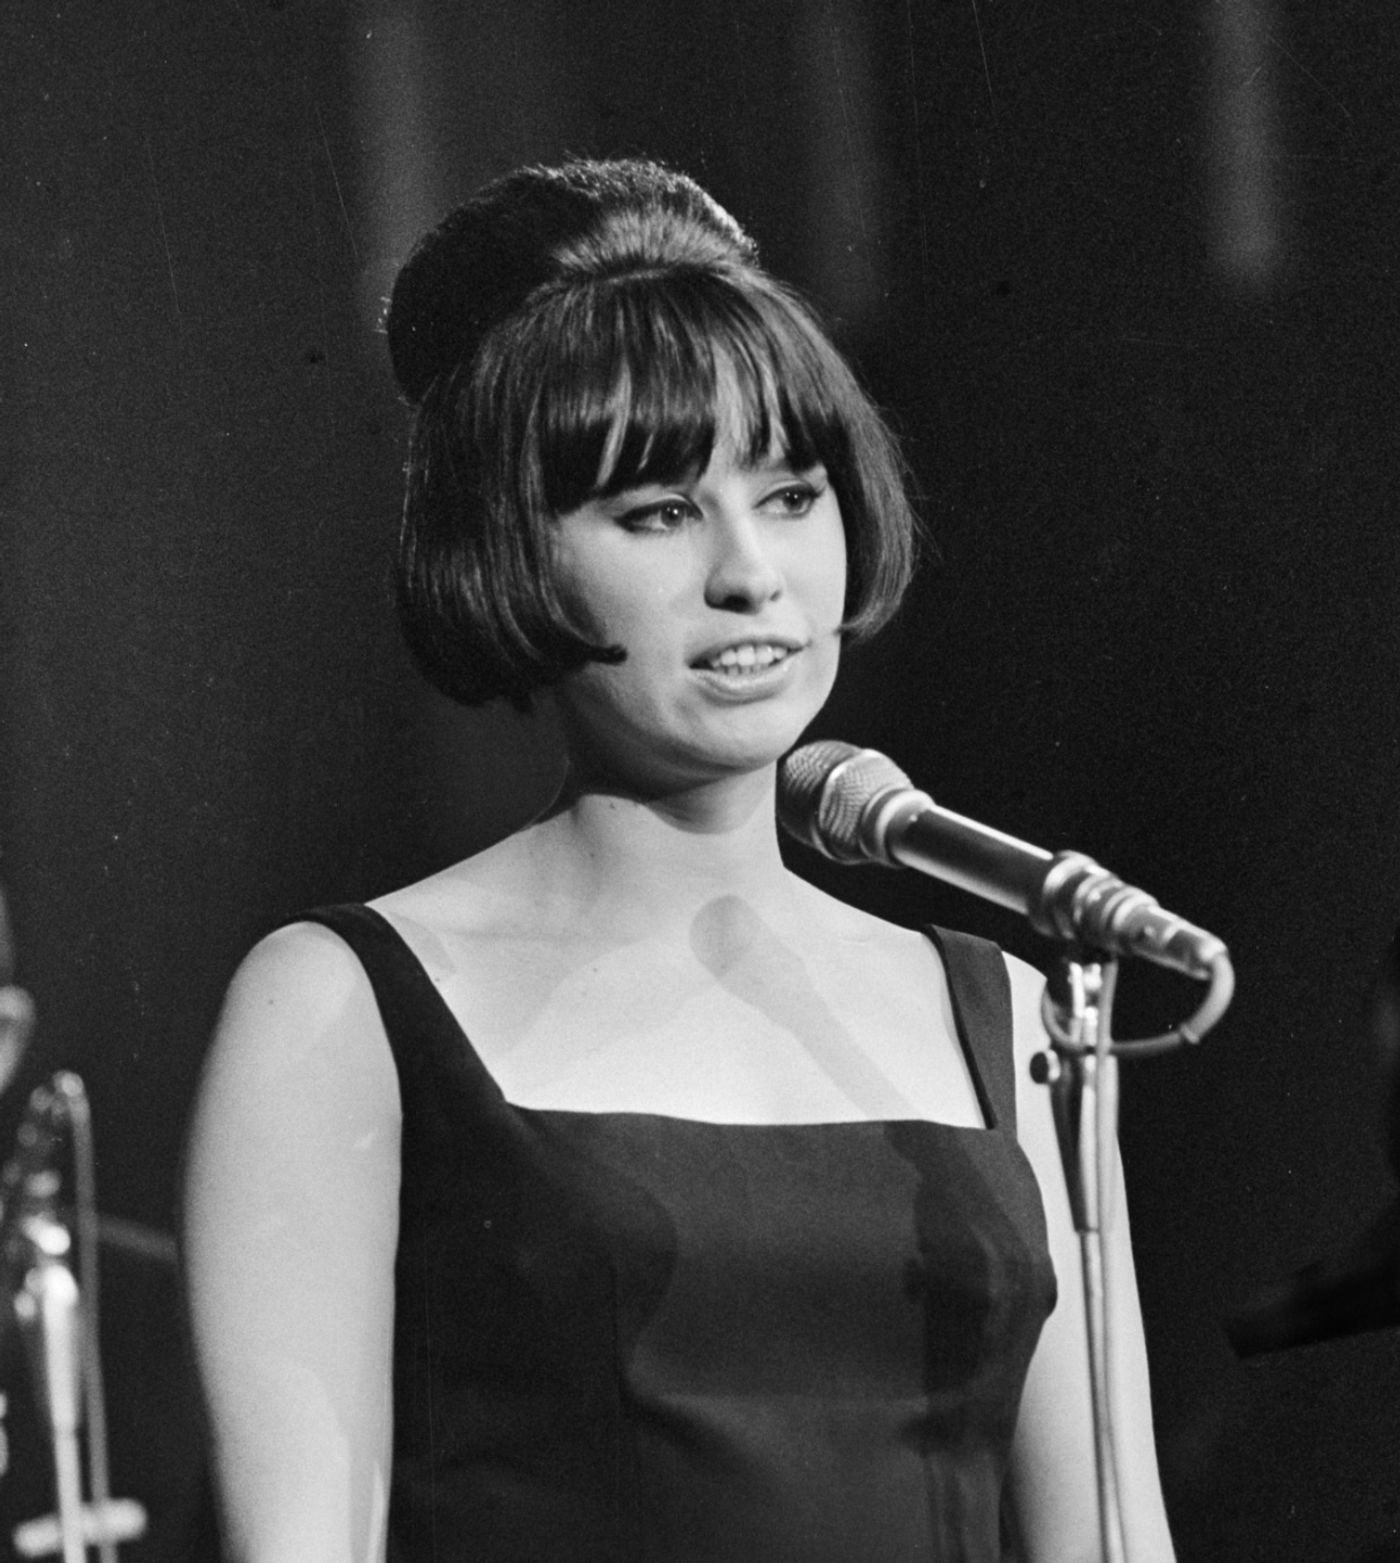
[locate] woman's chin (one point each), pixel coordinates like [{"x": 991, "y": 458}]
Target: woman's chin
[
  {"x": 675, "y": 745},
  {"x": 684, "y": 764},
  {"x": 741, "y": 749}
]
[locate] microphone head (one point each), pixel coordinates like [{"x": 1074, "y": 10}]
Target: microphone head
[{"x": 825, "y": 790}]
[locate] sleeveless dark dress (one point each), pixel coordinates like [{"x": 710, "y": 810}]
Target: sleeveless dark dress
[{"x": 628, "y": 1338}]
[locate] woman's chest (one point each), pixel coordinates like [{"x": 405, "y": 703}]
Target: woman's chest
[{"x": 768, "y": 1033}]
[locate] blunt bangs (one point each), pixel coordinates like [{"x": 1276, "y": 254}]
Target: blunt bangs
[
  {"x": 638, "y": 368},
  {"x": 628, "y": 376}
]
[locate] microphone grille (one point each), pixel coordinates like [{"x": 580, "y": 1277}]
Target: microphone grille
[{"x": 823, "y": 791}]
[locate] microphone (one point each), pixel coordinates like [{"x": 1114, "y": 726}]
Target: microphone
[{"x": 856, "y": 806}]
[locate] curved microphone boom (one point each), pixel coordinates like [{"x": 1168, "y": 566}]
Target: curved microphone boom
[{"x": 856, "y": 806}]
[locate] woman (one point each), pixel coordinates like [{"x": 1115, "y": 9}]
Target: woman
[{"x": 615, "y": 1194}]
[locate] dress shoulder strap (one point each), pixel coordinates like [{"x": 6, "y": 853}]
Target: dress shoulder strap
[
  {"x": 980, "y": 990},
  {"x": 424, "y": 1035}
]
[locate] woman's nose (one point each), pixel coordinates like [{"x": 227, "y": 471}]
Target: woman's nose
[{"x": 743, "y": 573}]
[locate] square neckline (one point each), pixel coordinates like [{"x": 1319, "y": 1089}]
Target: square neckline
[{"x": 422, "y": 980}]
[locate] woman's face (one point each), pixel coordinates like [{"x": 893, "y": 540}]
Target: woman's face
[{"x": 726, "y": 590}]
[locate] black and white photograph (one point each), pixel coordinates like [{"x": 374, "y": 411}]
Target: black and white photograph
[{"x": 699, "y": 781}]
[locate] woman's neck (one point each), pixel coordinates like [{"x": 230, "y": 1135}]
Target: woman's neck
[{"x": 621, "y": 864}]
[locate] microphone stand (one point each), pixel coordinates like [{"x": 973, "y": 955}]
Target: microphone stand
[
  {"x": 49, "y": 1312},
  {"x": 58, "y": 1320},
  {"x": 1082, "y": 1074}
]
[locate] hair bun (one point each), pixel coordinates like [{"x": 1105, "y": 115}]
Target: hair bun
[{"x": 485, "y": 259}]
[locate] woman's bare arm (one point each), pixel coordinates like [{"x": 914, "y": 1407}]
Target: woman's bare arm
[{"x": 290, "y": 1225}]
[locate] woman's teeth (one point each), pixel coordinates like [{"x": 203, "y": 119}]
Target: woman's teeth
[{"x": 747, "y": 658}]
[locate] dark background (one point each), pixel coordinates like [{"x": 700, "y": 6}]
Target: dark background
[{"x": 1123, "y": 276}]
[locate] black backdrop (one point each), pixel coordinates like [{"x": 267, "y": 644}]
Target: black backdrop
[{"x": 1162, "y": 626}]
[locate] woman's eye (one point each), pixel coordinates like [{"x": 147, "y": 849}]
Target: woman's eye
[
  {"x": 793, "y": 499},
  {"x": 663, "y": 516}
]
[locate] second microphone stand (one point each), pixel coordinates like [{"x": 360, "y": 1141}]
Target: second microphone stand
[{"x": 1082, "y": 1074}]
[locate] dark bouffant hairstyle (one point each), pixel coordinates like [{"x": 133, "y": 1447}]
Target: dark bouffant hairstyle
[{"x": 565, "y": 335}]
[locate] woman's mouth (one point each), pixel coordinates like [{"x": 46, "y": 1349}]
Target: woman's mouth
[{"x": 747, "y": 659}]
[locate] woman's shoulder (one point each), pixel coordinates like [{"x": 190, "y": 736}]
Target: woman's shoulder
[
  {"x": 299, "y": 1012},
  {"x": 300, "y": 967}
]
